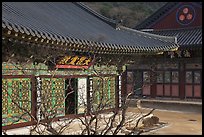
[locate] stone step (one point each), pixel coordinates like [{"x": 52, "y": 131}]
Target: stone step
[{"x": 175, "y": 105}]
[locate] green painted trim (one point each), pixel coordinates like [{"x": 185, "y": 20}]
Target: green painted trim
[
  {"x": 53, "y": 91},
  {"x": 64, "y": 96},
  {"x": 30, "y": 94},
  {"x": 109, "y": 96},
  {"x": 20, "y": 95},
  {"x": 20, "y": 92},
  {"x": 9, "y": 99},
  {"x": 98, "y": 93}
]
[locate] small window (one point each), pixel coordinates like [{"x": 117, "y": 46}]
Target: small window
[
  {"x": 160, "y": 77},
  {"x": 146, "y": 76},
  {"x": 174, "y": 77},
  {"x": 167, "y": 77},
  {"x": 188, "y": 77},
  {"x": 129, "y": 77},
  {"x": 197, "y": 77}
]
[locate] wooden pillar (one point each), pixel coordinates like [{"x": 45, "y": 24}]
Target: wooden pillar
[
  {"x": 182, "y": 80},
  {"x": 153, "y": 80},
  {"x": 117, "y": 93},
  {"x": 123, "y": 75},
  {"x": 33, "y": 97},
  {"x": 124, "y": 84},
  {"x": 88, "y": 95}
]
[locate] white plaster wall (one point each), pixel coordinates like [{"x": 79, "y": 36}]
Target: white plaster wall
[{"x": 82, "y": 94}]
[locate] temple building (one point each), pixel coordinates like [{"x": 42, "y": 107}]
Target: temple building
[
  {"x": 176, "y": 74},
  {"x": 51, "y": 50}
]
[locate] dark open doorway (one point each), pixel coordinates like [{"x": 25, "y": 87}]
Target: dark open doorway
[
  {"x": 71, "y": 99},
  {"x": 138, "y": 82}
]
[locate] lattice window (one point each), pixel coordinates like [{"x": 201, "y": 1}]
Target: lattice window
[
  {"x": 16, "y": 90},
  {"x": 104, "y": 90},
  {"x": 53, "y": 96}
]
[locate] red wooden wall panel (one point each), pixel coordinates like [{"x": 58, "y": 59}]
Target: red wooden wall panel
[
  {"x": 159, "y": 90},
  {"x": 146, "y": 89},
  {"x": 189, "y": 90},
  {"x": 175, "y": 90}
]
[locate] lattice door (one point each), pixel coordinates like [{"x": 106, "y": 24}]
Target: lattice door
[
  {"x": 53, "y": 95},
  {"x": 16, "y": 92}
]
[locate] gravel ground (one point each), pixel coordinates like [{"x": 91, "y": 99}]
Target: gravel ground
[{"x": 178, "y": 122}]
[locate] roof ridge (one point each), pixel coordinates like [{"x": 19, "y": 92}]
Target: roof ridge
[
  {"x": 174, "y": 29},
  {"x": 148, "y": 34},
  {"x": 151, "y": 17},
  {"x": 107, "y": 20}
]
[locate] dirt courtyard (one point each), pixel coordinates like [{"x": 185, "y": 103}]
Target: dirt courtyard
[{"x": 179, "y": 123}]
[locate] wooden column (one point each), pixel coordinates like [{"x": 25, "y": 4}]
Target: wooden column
[
  {"x": 88, "y": 95},
  {"x": 124, "y": 84},
  {"x": 153, "y": 79},
  {"x": 117, "y": 93},
  {"x": 182, "y": 80},
  {"x": 33, "y": 97}
]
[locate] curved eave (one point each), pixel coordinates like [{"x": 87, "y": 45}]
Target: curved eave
[
  {"x": 150, "y": 35},
  {"x": 14, "y": 31}
]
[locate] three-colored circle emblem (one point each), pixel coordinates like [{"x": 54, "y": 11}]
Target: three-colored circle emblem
[{"x": 185, "y": 15}]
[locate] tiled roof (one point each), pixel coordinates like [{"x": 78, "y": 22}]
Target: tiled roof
[
  {"x": 185, "y": 37},
  {"x": 66, "y": 24}
]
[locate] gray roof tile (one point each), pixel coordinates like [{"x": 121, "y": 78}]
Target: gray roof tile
[
  {"x": 185, "y": 37},
  {"x": 62, "y": 20}
]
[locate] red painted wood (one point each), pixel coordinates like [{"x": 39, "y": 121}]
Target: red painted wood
[
  {"x": 146, "y": 89},
  {"x": 153, "y": 80},
  {"x": 175, "y": 90},
  {"x": 167, "y": 91},
  {"x": 33, "y": 98},
  {"x": 160, "y": 89},
  {"x": 189, "y": 90},
  {"x": 197, "y": 91},
  {"x": 129, "y": 88},
  {"x": 75, "y": 76},
  {"x": 123, "y": 84},
  {"x": 16, "y": 76},
  {"x": 17, "y": 125},
  {"x": 153, "y": 90},
  {"x": 71, "y": 67},
  {"x": 169, "y": 21},
  {"x": 182, "y": 80}
]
